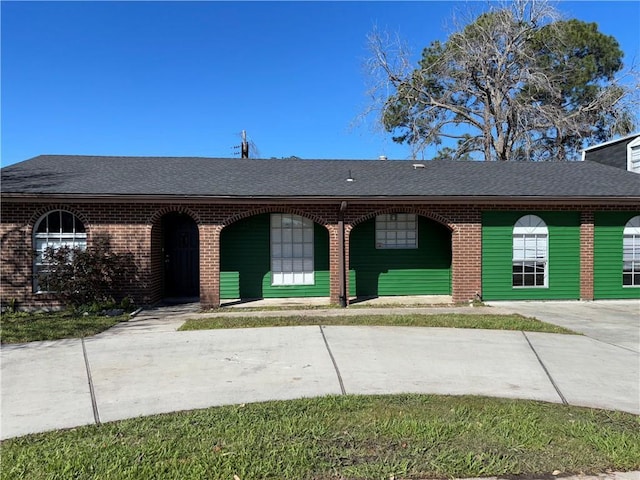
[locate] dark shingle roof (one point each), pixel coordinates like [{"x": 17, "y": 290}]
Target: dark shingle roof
[{"x": 216, "y": 177}]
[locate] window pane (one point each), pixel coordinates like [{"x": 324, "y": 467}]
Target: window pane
[
  {"x": 518, "y": 247},
  {"x": 67, "y": 222},
  {"x": 54, "y": 222},
  {"x": 308, "y": 234},
  {"x": 287, "y": 265},
  {"x": 42, "y": 226},
  {"x": 79, "y": 226},
  {"x": 308, "y": 250},
  {"x": 627, "y": 279}
]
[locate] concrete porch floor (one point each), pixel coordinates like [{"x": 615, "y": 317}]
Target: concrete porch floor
[{"x": 409, "y": 300}]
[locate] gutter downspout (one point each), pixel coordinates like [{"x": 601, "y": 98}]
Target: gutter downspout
[{"x": 342, "y": 289}]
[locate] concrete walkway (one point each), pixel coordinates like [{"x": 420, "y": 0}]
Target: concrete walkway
[{"x": 145, "y": 366}]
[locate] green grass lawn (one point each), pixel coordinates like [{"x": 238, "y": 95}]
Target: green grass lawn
[
  {"x": 30, "y": 327},
  {"x": 450, "y": 320},
  {"x": 338, "y": 437}
]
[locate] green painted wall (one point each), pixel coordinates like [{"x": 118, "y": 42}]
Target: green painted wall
[
  {"x": 422, "y": 271},
  {"x": 564, "y": 257},
  {"x": 607, "y": 261},
  {"x": 245, "y": 262}
]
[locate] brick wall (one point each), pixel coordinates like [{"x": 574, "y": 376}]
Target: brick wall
[{"x": 136, "y": 228}]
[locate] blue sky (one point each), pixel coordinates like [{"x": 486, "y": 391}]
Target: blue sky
[{"x": 185, "y": 78}]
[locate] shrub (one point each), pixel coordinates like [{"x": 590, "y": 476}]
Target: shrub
[{"x": 87, "y": 277}]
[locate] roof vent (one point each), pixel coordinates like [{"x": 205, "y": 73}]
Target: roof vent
[
  {"x": 418, "y": 165},
  {"x": 350, "y": 177}
]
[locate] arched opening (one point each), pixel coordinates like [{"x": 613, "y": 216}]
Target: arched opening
[
  {"x": 397, "y": 254},
  {"x": 180, "y": 256},
  {"x": 274, "y": 255}
]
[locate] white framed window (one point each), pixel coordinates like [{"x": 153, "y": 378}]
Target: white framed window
[
  {"x": 530, "y": 264},
  {"x": 291, "y": 250},
  {"x": 633, "y": 156},
  {"x": 631, "y": 253},
  {"x": 55, "y": 229},
  {"x": 397, "y": 230}
]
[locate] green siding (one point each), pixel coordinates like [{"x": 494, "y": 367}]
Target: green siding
[
  {"x": 564, "y": 257},
  {"x": 422, "y": 271},
  {"x": 245, "y": 262},
  {"x": 607, "y": 262}
]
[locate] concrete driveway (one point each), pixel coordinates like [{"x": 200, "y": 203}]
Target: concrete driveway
[
  {"x": 616, "y": 322},
  {"x": 146, "y": 367}
]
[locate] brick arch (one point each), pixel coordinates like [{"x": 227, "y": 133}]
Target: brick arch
[
  {"x": 42, "y": 211},
  {"x": 418, "y": 211},
  {"x": 158, "y": 214},
  {"x": 275, "y": 209}
]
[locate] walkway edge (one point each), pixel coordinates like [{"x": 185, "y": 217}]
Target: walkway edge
[
  {"x": 333, "y": 360},
  {"x": 92, "y": 392},
  {"x": 546, "y": 371}
]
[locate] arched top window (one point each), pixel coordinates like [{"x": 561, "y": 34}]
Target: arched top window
[
  {"x": 530, "y": 252},
  {"x": 633, "y": 226},
  {"x": 55, "y": 229},
  {"x": 631, "y": 253},
  {"x": 530, "y": 224}
]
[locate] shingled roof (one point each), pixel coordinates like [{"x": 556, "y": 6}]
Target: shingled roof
[{"x": 72, "y": 175}]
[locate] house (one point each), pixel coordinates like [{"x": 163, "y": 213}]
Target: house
[
  {"x": 621, "y": 153},
  {"x": 241, "y": 228}
]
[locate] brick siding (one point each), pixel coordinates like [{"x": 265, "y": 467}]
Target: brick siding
[{"x": 136, "y": 228}]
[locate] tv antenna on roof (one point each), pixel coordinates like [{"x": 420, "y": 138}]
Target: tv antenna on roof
[{"x": 243, "y": 148}]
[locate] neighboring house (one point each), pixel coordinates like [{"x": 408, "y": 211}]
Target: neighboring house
[
  {"x": 621, "y": 153},
  {"x": 238, "y": 228}
]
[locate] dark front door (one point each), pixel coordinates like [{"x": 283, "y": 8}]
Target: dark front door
[{"x": 181, "y": 256}]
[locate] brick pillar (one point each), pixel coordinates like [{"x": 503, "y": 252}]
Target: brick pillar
[
  {"x": 466, "y": 264},
  {"x": 586, "y": 255},
  {"x": 209, "y": 265},
  {"x": 334, "y": 264},
  {"x": 347, "y": 240}
]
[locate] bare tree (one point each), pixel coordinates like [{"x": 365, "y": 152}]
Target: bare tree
[{"x": 516, "y": 83}]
